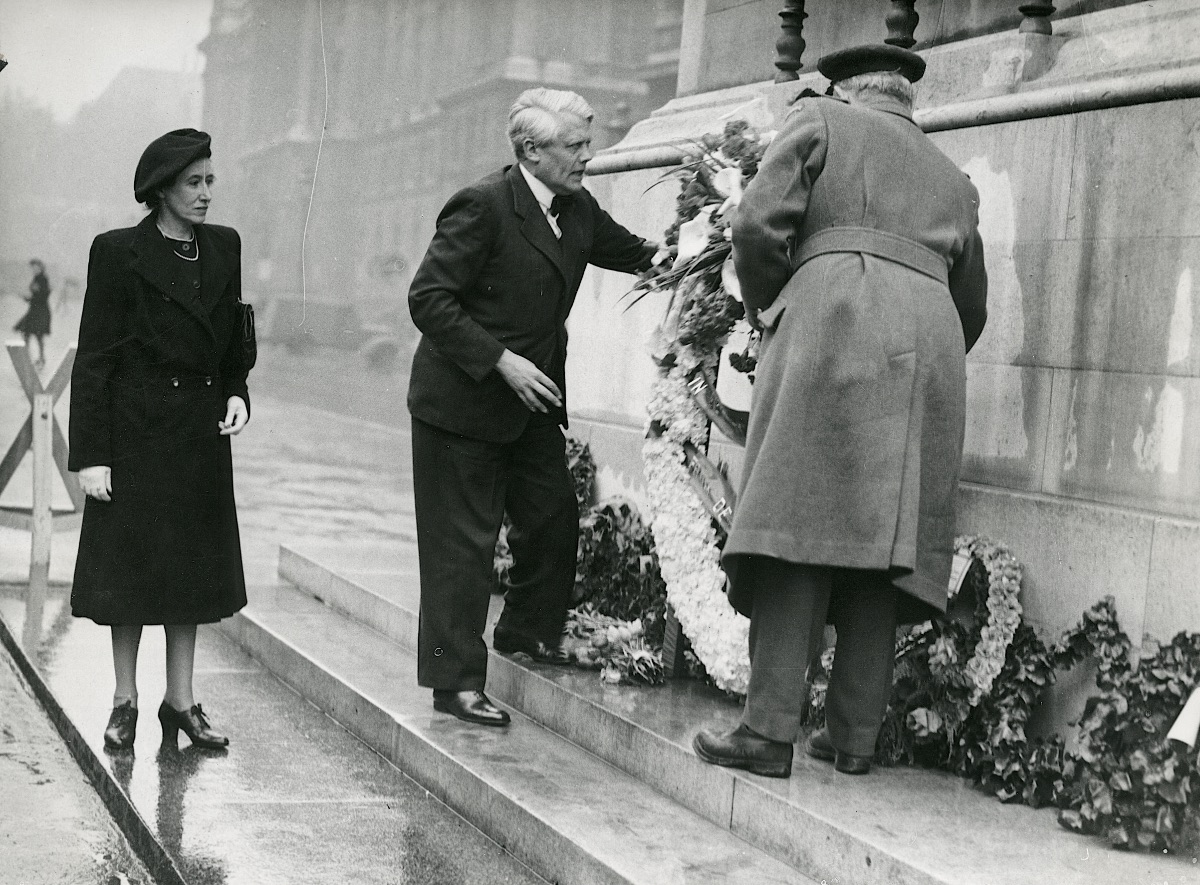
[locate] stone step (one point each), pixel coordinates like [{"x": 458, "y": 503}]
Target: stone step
[
  {"x": 899, "y": 825},
  {"x": 568, "y": 815}
]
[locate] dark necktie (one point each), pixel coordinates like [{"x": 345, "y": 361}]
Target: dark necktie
[{"x": 559, "y": 205}]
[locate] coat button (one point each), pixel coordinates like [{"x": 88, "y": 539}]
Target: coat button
[
  {"x": 208, "y": 381},
  {"x": 195, "y": 284},
  {"x": 174, "y": 382}
]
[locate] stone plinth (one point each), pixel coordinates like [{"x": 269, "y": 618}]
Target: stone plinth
[{"x": 1083, "y": 440}]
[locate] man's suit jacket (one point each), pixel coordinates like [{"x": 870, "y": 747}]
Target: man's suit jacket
[{"x": 495, "y": 278}]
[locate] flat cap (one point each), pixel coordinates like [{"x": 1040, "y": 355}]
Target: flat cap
[
  {"x": 871, "y": 58},
  {"x": 167, "y": 156}
]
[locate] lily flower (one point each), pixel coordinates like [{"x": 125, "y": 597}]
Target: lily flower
[
  {"x": 729, "y": 279},
  {"x": 694, "y": 236}
]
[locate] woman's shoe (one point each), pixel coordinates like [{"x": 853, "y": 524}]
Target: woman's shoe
[
  {"x": 122, "y": 727},
  {"x": 191, "y": 722}
]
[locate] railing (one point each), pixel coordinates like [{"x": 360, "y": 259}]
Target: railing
[{"x": 1135, "y": 89}]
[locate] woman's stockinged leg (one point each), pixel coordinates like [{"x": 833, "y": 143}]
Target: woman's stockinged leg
[
  {"x": 125, "y": 641},
  {"x": 181, "y": 658}
]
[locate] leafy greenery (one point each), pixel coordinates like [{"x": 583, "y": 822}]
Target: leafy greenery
[
  {"x": 1124, "y": 781},
  {"x": 701, "y": 312},
  {"x": 1127, "y": 782},
  {"x": 617, "y": 571},
  {"x": 583, "y": 472}
]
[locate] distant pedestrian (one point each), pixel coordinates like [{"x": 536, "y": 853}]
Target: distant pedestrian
[
  {"x": 36, "y": 322},
  {"x": 488, "y": 400},
  {"x": 857, "y": 249},
  {"x": 158, "y": 387}
]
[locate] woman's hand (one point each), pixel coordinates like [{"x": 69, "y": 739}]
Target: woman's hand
[
  {"x": 236, "y": 417},
  {"x": 96, "y": 482}
]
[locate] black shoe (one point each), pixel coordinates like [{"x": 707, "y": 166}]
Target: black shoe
[
  {"x": 508, "y": 642},
  {"x": 469, "y": 706},
  {"x": 743, "y": 748},
  {"x": 821, "y": 747},
  {"x": 122, "y": 727},
  {"x": 191, "y": 722}
]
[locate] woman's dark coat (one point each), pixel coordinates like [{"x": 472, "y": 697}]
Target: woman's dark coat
[
  {"x": 159, "y": 355},
  {"x": 37, "y": 319}
]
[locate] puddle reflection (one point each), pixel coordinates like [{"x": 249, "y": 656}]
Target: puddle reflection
[{"x": 176, "y": 768}]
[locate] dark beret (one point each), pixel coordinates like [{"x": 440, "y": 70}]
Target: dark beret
[
  {"x": 869, "y": 59},
  {"x": 167, "y": 156}
]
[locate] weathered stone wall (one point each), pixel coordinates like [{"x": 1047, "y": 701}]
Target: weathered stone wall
[
  {"x": 341, "y": 129},
  {"x": 1083, "y": 440}
]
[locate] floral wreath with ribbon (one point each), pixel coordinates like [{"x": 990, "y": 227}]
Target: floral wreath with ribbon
[{"x": 690, "y": 498}]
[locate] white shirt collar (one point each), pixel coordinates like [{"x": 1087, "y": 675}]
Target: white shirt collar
[{"x": 541, "y": 192}]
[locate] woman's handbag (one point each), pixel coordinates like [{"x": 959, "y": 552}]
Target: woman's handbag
[{"x": 249, "y": 340}]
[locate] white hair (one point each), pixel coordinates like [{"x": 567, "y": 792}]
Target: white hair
[
  {"x": 537, "y": 116},
  {"x": 879, "y": 83}
]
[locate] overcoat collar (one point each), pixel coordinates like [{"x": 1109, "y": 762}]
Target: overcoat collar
[
  {"x": 155, "y": 262},
  {"x": 888, "y": 105},
  {"x": 536, "y": 228}
]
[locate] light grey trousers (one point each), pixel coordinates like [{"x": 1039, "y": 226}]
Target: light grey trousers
[{"x": 791, "y": 604}]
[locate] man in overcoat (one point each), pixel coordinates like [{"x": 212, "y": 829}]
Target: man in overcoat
[
  {"x": 488, "y": 398},
  {"x": 857, "y": 250}
]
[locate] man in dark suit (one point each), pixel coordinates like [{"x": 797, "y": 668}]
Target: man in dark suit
[{"x": 487, "y": 397}]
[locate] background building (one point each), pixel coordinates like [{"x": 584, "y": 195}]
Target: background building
[
  {"x": 60, "y": 181},
  {"x": 411, "y": 98}
]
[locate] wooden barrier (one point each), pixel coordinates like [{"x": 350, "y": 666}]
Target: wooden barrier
[{"x": 42, "y": 435}]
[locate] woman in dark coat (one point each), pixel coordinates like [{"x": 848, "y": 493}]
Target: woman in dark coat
[
  {"x": 158, "y": 387},
  {"x": 36, "y": 322}
]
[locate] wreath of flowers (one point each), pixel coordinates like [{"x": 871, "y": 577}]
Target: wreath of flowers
[
  {"x": 686, "y": 540},
  {"x": 690, "y": 501},
  {"x": 935, "y": 691},
  {"x": 1004, "y": 574}
]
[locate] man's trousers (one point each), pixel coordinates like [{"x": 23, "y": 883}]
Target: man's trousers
[
  {"x": 791, "y": 604},
  {"x": 463, "y": 487}
]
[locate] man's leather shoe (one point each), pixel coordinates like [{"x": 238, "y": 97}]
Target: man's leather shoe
[
  {"x": 508, "y": 642},
  {"x": 743, "y": 748},
  {"x": 821, "y": 747},
  {"x": 469, "y": 706}
]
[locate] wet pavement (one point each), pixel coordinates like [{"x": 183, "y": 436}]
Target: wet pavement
[
  {"x": 296, "y": 798},
  {"x": 53, "y": 827}
]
